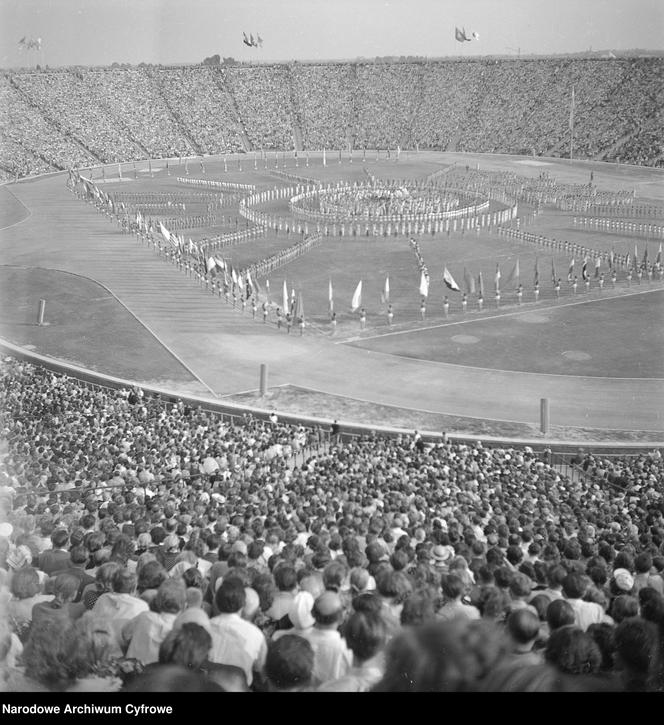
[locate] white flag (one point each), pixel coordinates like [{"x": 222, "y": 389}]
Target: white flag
[
  {"x": 211, "y": 264},
  {"x": 164, "y": 232},
  {"x": 449, "y": 280},
  {"x": 357, "y": 297},
  {"x": 424, "y": 285},
  {"x": 285, "y": 298}
]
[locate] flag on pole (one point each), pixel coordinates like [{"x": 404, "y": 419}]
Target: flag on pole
[
  {"x": 515, "y": 273},
  {"x": 584, "y": 269},
  {"x": 234, "y": 276},
  {"x": 636, "y": 257},
  {"x": 598, "y": 263},
  {"x": 424, "y": 285},
  {"x": 357, "y": 297},
  {"x": 554, "y": 279},
  {"x": 164, "y": 232},
  {"x": 449, "y": 281},
  {"x": 570, "y": 272},
  {"x": 300, "y": 306},
  {"x": 267, "y": 289},
  {"x": 469, "y": 282},
  {"x": 330, "y": 296},
  {"x": 285, "y": 298},
  {"x": 480, "y": 285},
  {"x": 293, "y": 301},
  {"x": 571, "y": 112},
  {"x": 324, "y": 158},
  {"x": 536, "y": 276},
  {"x": 658, "y": 261},
  {"x": 496, "y": 279},
  {"x": 611, "y": 258},
  {"x": 211, "y": 264},
  {"x": 386, "y": 291},
  {"x": 644, "y": 264}
]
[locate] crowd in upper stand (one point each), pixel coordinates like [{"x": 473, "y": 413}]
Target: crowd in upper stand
[
  {"x": 82, "y": 116},
  {"x": 147, "y": 545}
]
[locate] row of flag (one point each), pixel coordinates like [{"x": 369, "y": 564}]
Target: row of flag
[{"x": 476, "y": 285}]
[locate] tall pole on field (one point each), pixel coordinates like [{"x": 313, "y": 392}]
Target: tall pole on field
[{"x": 571, "y": 128}]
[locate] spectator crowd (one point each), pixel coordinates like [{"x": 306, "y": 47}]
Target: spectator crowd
[
  {"x": 150, "y": 545},
  {"x": 92, "y": 115}
]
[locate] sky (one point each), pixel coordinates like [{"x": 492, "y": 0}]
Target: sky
[{"x": 100, "y": 32}]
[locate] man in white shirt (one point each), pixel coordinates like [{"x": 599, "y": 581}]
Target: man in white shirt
[
  {"x": 234, "y": 640},
  {"x": 585, "y": 613}
]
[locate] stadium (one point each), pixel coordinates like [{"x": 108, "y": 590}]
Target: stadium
[{"x": 368, "y": 349}]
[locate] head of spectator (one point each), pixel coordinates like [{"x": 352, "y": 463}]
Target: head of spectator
[
  {"x": 289, "y": 664},
  {"x": 651, "y": 605},
  {"x": 171, "y": 597},
  {"x": 328, "y": 611},
  {"x": 420, "y": 607},
  {"x": 623, "y": 607},
  {"x": 559, "y": 614},
  {"x": 604, "y": 635},
  {"x": 636, "y": 642},
  {"x": 622, "y": 582},
  {"x": 124, "y": 581},
  {"x": 523, "y": 626},
  {"x": 25, "y": 583},
  {"x": 231, "y": 597},
  {"x": 335, "y": 576},
  {"x": 187, "y": 646},
  {"x": 441, "y": 657},
  {"x": 365, "y": 634},
  {"x": 573, "y": 651}
]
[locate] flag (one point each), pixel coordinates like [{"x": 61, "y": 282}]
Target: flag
[
  {"x": 554, "y": 278},
  {"x": 250, "y": 285},
  {"x": 293, "y": 301},
  {"x": 536, "y": 277},
  {"x": 598, "y": 263},
  {"x": 386, "y": 291},
  {"x": 300, "y": 306},
  {"x": 514, "y": 274},
  {"x": 496, "y": 280},
  {"x": 234, "y": 276},
  {"x": 644, "y": 264},
  {"x": 480, "y": 285},
  {"x": 584, "y": 269},
  {"x": 267, "y": 289},
  {"x": 636, "y": 257},
  {"x": 449, "y": 280},
  {"x": 324, "y": 158},
  {"x": 611, "y": 258},
  {"x": 571, "y": 112},
  {"x": 164, "y": 232},
  {"x": 357, "y": 297},
  {"x": 330, "y": 296},
  {"x": 424, "y": 285},
  {"x": 469, "y": 282},
  {"x": 570, "y": 273},
  {"x": 211, "y": 264},
  {"x": 458, "y": 35},
  {"x": 658, "y": 261},
  {"x": 285, "y": 298}
]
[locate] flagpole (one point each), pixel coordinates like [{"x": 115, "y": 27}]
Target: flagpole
[{"x": 571, "y": 128}]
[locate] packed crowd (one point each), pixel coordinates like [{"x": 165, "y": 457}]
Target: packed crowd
[
  {"x": 80, "y": 116},
  {"x": 148, "y": 545}
]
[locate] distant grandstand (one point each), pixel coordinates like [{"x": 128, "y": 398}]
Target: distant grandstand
[{"x": 50, "y": 120}]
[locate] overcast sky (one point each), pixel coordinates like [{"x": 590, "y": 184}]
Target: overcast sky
[{"x": 99, "y": 32}]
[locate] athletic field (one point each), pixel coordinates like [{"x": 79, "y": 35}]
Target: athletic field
[{"x": 116, "y": 306}]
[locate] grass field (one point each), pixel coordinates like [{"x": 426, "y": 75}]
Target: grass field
[{"x": 86, "y": 326}]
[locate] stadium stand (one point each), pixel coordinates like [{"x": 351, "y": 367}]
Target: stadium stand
[{"x": 83, "y": 116}]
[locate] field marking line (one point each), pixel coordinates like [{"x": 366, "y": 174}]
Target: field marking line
[{"x": 25, "y": 206}]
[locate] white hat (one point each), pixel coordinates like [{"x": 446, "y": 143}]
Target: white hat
[{"x": 6, "y": 529}]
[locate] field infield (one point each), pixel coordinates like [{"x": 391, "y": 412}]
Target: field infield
[{"x": 599, "y": 356}]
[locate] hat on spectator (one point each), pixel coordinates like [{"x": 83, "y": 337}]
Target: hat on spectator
[
  {"x": 300, "y": 611},
  {"x": 442, "y": 554},
  {"x": 623, "y": 579},
  {"x": 144, "y": 541},
  {"x": 19, "y": 557},
  {"x": 172, "y": 543},
  {"x": 6, "y": 529}
]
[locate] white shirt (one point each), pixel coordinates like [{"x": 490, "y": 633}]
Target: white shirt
[{"x": 237, "y": 642}]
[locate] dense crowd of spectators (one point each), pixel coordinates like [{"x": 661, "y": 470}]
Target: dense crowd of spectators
[
  {"x": 77, "y": 116},
  {"x": 147, "y": 545}
]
